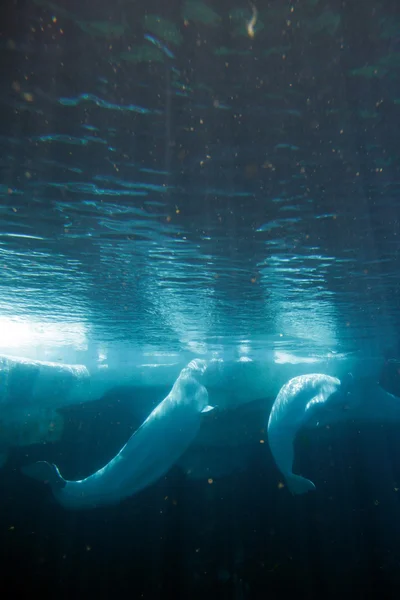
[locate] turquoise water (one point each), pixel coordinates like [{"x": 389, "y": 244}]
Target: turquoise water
[
  {"x": 214, "y": 180},
  {"x": 241, "y": 191}
]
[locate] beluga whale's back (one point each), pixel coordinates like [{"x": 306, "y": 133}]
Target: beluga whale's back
[{"x": 297, "y": 402}]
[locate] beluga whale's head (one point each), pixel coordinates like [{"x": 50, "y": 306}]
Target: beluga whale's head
[
  {"x": 341, "y": 399},
  {"x": 188, "y": 389}
]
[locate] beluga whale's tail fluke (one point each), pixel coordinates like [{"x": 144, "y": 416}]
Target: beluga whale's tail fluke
[
  {"x": 298, "y": 484},
  {"x": 45, "y": 472}
]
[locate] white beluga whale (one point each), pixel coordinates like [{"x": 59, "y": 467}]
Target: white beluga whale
[
  {"x": 297, "y": 402},
  {"x": 148, "y": 454},
  {"x": 34, "y": 394}
]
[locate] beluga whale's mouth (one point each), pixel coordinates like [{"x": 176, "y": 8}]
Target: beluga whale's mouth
[{"x": 343, "y": 396}]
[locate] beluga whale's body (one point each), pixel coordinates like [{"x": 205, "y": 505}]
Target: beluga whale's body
[
  {"x": 148, "y": 454},
  {"x": 296, "y": 403}
]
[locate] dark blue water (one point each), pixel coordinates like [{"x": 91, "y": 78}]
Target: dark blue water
[{"x": 207, "y": 179}]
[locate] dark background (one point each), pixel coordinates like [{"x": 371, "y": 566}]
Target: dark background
[
  {"x": 329, "y": 92},
  {"x": 241, "y": 536}
]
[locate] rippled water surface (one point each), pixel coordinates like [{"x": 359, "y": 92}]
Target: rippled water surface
[{"x": 199, "y": 177}]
